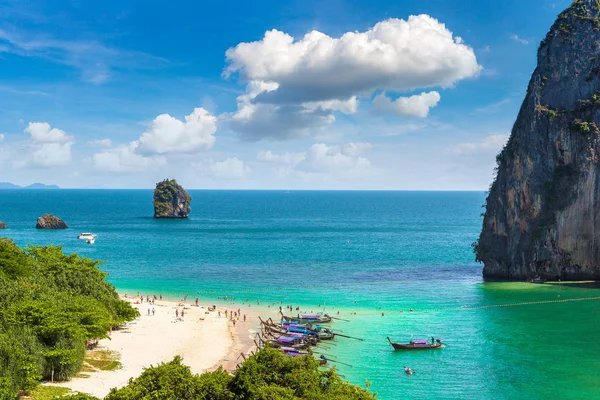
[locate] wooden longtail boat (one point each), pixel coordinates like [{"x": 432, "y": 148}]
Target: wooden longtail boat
[
  {"x": 309, "y": 318},
  {"x": 416, "y": 345}
]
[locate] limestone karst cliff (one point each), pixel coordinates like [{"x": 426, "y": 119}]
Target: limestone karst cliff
[
  {"x": 543, "y": 210},
  {"x": 171, "y": 200}
]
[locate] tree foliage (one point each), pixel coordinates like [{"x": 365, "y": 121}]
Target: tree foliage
[
  {"x": 50, "y": 304},
  {"x": 268, "y": 375}
]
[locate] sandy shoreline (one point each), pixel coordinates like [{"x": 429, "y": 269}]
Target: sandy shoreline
[{"x": 203, "y": 339}]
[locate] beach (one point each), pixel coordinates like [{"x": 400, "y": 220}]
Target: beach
[{"x": 203, "y": 339}]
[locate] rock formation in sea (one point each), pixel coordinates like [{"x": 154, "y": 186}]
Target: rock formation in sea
[
  {"x": 49, "y": 221},
  {"x": 171, "y": 200},
  {"x": 543, "y": 210},
  {"x": 2, "y": 225}
]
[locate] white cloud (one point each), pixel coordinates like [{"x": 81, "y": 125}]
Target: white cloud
[
  {"x": 51, "y": 154},
  {"x": 255, "y": 121},
  {"x": 349, "y": 106},
  {"x": 43, "y": 132},
  {"x": 517, "y": 39},
  {"x": 295, "y": 87},
  {"x": 232, "y": 168},
  {"x": 321, "y": 157},
  {"x": 100, "y": 143},
  {"x": 1, "y": 137},
  {"x": 287, "y": 158},
  {"x": 126, "y": 159},
  {"x": 492, "y": 143},
  {"x": 48, "y": 147},
  {"x": 167, "y": 134},
  {"x": 394, "y": 55},
  {"x": 321, "y": 161},
  {"x": 413, "y": 106}
]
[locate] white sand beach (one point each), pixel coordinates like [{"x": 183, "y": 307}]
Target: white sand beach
[{"x": 204, "y": 340}]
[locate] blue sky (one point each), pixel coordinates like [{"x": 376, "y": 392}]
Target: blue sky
[{"x": 234, "y": 94}]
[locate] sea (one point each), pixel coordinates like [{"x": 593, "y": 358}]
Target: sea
[{"x": 394, "y": 264}]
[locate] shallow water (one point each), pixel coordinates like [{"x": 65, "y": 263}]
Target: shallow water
[{"x": 363, "y": 252}]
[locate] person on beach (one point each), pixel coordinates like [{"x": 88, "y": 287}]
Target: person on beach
[
  {"x": 233, "y": 322},
  {"x": 153, "y": 311},
  {"x": 148, "y": 311},
  {"x": 244, "y": 317},
  {"x": 196, "y": 302},
  {"x": 182, "y": 313},
  {"x": 176, "y": 313},
  {"x": 160, "y": 296},
  {"x": 219, "y": 314}
]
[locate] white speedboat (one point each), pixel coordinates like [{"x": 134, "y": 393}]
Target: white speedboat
[{"x": 86, "y": 236}]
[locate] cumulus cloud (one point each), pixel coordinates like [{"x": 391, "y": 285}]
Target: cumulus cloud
[
  {"x": 394, "y": 55},
  {"x": 338, "y": 160},
  {"x": 489, "y": 144},
  {"x": 231, "y": 168},
  {"x": 167, "y": 134},
  {"x": 47, "y": 147},
  {"x": 255, "y": 121},
  {"x": 126, "y": 159},
  {"x": 51, "y": 154},
  {"x": 100, "y": 143},
  {"x": 42, "y": 132},
  {"x": 295, "y": 87},
  {"x": 322, "y": 157},
  {"x": 413, "y": 106},
  {"x": 285, "y": 158}
]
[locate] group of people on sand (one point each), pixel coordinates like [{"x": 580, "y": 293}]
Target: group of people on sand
[
  {"x": 234, "y": 316},
  {"x": 149, "y": 299}
]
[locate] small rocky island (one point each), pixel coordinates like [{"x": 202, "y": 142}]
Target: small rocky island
[
  {"x": 49, "y": 221},
  {"x": 542, "y": 213},
  {"x": 171, "y": 200},
  {"x": 2, "y": 225}
]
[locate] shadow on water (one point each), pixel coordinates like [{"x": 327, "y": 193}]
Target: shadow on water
[{"x": 577, "y": 285}]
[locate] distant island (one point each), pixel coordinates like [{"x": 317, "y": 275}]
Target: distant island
[{"x": 8, "y": 185}]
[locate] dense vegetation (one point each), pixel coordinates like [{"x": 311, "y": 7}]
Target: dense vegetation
[
  {"x": 268, "y": 375},
  {"x": 50, "y": 304}
]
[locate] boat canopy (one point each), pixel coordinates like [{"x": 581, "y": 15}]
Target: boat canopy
[
  {"x": 298, "y": 330},
  {"x": 286, "y": 339},
  {"x": 310, "y": 316},
  {"x": 419, "y": 342}
]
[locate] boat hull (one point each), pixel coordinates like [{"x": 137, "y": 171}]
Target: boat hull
[{"x": 409, "y": 346}]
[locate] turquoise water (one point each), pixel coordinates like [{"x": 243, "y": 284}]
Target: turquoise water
[{"x": 363, "y": 252}]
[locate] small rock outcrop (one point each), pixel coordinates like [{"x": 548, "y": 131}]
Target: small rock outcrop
[
  {"x": 171, "y": 200},
  {"x": 2, "y": 225},
  {"x": 49, "y": 221},
  {"x": 542, "y": 213}
]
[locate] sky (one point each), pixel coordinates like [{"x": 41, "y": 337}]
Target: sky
[{"x": 297, "y": 94}]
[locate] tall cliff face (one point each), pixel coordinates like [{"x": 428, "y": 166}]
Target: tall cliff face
[
  {"x": 171, "y": 200},
  {"x": 543, "y": 210}
]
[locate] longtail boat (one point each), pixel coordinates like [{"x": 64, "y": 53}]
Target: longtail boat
[
  {"x": 416, "y": 345},
  {"x": 309, "y": 318}
]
